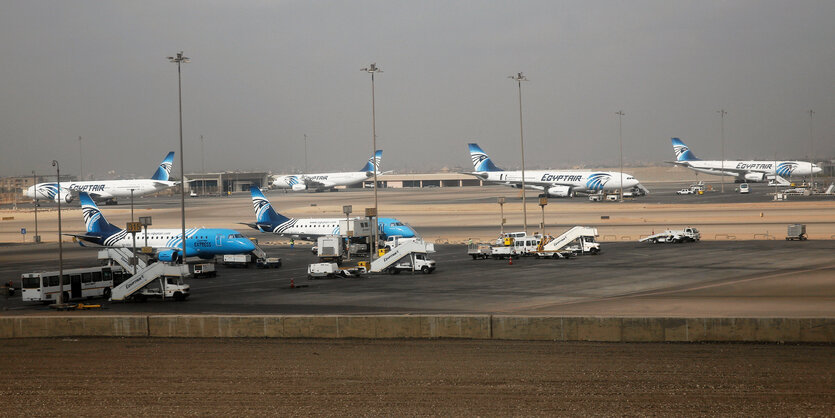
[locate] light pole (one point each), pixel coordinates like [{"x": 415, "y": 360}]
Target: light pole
[
  {"x": 543, "y": 201},
  {"x": 305, "y": 154},
  {"x": 80, "y": 161},
  {"x": 811, "y": 153},
  {"x": 60, "y": 241},
  {"x": 347, "y": 209},
  {"x": 179, "y": 60},
  {"x": 519, "y": 78},
  {"x": 35, "y": 189},
  {"x": 501, "y": 209},
  {"x": 620, "y": 141},
  {"x": 372, "y": 69},
  {"x": 722, "y": 113},
  {"x": 202, "y": 166}
]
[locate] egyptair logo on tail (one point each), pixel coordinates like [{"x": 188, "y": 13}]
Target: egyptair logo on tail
[
  {"x": 91, "y": 215},
  {"x": 477, "y": 159},
  {"x": 166, "y": 165},
  {"x": 261, "y": 207},
  {"x": 597, "y": 181},
  {"x": 680, "y": 149}
]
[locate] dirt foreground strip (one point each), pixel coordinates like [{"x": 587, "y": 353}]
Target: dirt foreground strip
[{"x": 138, "y": 376}]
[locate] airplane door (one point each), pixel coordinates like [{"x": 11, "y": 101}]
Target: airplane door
[
  {"x": 219, "y": 240},
  {"x": 75, "y": 285}
]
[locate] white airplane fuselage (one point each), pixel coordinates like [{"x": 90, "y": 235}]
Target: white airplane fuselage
[
  {"x": 576, "y": 181},
  {"x": 320, "y": 181},
  {"x": 100, "y": 190},
  {"x": 752, "y": 170}
]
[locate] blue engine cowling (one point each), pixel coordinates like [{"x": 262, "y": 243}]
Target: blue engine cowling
[{"x": 168, "y": 255}]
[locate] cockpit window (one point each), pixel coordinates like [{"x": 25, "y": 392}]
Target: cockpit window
[{"x": 235, "y": 236}]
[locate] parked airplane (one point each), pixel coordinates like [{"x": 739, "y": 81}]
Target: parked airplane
[
  {"x": 167, "y": 243},
  {"x": 563, "y": 183},
  {"x": 106, "y": 190},
  {"x": 267, "y": 220},
  {"x": 743, "y": 171},
  {"x": 327, "y": 181}
]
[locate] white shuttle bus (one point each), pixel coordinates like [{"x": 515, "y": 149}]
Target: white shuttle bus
[{"x": 78, "y": 283}]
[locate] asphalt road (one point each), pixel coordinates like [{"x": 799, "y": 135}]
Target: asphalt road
[{"x": 528, "y": 286}]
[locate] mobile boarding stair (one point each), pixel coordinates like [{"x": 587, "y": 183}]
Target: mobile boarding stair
[
  {"x": 556, "y": 247},
  {"x": 401, "y": 251},
  {"x": 145, "y": 273}
]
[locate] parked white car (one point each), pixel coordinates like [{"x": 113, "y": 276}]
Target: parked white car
[{"x": 685, "y": 191}]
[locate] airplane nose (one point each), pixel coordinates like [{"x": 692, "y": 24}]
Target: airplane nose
[{"x": 247, "y": 245}]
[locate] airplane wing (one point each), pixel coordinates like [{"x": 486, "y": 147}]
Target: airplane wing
[
  {"x": 98, "y": 197},
  {"x": 312, "y": 184}
]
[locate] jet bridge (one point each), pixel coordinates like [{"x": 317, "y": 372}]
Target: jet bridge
[{"x": 399, "y": 252}]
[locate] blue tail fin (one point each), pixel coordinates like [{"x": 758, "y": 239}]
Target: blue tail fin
[
  {"x": 264, "y": 213},
  {"x": 375, "y": 160},
  {"x": 95, "y": 222},
  {"x": 683, "y": 153},
  {"x": 164, "y": 169},
  {"x": 481, "y": 162}
]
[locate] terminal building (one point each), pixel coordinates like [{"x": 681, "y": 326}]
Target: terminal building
[{"x": 232, "y": 182}]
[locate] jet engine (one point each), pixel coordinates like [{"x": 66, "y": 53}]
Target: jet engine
[
  {"x": 299, "y": 187},
  {"x": 559, "y": 191},
  {"x": 755, "y": 177},
  {"x": 168, "y": 255},
  {"x": 65, "y": 196}
]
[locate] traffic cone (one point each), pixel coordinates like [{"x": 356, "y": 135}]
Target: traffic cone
[
  {"x": 292, "y": 284},
  {"x": 510, "y": 261}
]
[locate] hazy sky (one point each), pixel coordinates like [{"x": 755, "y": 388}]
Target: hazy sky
[{"x": 264, "y": 73}]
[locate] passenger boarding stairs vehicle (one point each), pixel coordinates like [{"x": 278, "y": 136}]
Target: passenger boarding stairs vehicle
[
  {"x": 139, "y": 285},
  {"x": 393, "y": 260},
  {"x": 577, "y": 240}
]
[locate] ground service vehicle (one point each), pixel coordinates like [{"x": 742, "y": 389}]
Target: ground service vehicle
[
  {"x": 577, "y": 240},
  {"x": 330, "y": 249},
  {"x": 203, "y": 270},
  {"x": 78, "y": 283},
  {"x": 332, "y": 270},
  {"x": 685, "y": 191},
  {"x": 422, "y": 264},
  {"x": 237, "y": 260},
  {"x": 269, "y": 262},
  {"x": 477, "y": 251},
  {"x": 744, "y": 189},
  {"x": 688, "y": 234},
  {"x": 166, "y": 288},
  {"x": 796, "y": 232},
  {"x": 527, "y": 245}
]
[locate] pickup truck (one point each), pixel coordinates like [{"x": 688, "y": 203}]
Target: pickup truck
[{"x": 685, "y": 191}]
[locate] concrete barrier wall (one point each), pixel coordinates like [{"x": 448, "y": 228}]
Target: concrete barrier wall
[
  {"x": 72, "y": 326},
  {"x": 499, "y": 327},
  {"x": 323, "y": 326}
]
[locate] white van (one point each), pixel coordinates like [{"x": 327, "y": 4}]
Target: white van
[
  {"x": 744, "y": 189},
  {"x": 526, "y": 245}
]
